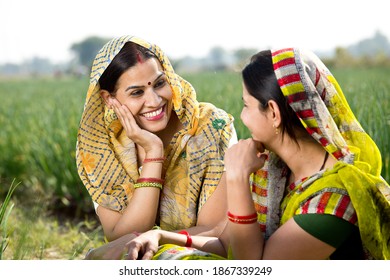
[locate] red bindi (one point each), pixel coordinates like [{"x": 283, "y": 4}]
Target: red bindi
[{"x": 149, "y": 83}]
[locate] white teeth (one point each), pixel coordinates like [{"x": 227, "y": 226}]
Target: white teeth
[{"x": 152, "y": 114}]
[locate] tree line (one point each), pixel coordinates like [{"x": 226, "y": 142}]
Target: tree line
[{"x": 370, "y": 52}]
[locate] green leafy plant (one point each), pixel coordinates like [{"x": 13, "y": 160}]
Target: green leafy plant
[{"x": 5, "y": 211}]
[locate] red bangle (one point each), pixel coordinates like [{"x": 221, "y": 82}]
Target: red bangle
[
  {"x": 248, "y": 219},
  {"x": 189, "y": 239},
  {"x": 150, "y": 180},
  {"x": 251, "y": 216},
  {"x": 159, "y": 159}
]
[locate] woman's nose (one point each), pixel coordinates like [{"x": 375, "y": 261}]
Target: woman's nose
[{"x": 153, "y": 99}]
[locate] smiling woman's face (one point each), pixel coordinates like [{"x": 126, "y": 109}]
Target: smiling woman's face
[
  {"x": 259, "y": 125},
  {"x": 144, "y": 89}
]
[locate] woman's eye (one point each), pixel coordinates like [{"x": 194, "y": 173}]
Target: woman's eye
[
  {"x": 137, "y": 92},
  {"x": 160, "y": 83}
]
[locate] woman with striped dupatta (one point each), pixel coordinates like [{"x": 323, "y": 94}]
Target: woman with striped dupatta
[
  {"x": 323, "y": 196},
  {"x": 307, "y": 185}
]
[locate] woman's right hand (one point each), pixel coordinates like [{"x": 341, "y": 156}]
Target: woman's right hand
[
  {"x": 150, "y": 142},
  {"x": 114, "y": 250},
  {"x": 144, "y": 246}
]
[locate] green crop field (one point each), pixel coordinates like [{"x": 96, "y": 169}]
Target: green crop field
[{"x": 52, "y": 215}]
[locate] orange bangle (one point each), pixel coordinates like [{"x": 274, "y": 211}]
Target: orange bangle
[
  {"x": 159, "y": 159},
  {"x": 248, "y": 219},
  {"x": 189, "y": 239}
]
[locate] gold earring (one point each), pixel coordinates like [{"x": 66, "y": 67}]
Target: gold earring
[{"x": 276, "y": 129}]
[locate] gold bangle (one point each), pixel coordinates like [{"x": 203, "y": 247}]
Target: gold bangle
[{"x": 148, "y": 184}]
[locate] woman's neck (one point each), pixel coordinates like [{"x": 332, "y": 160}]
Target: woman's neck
[
  {"x": 174, "y": 125},
  {"x": 304, "y": 158}
]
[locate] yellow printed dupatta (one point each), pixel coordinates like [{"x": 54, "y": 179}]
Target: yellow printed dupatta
[
  {"x": 107, "y": 159},
  {"x": 354, "y": 183}
]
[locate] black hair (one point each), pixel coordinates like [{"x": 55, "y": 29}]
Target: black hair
[
  {"x": 130, "y": 54},
  {"x": 260, "y": 81}
]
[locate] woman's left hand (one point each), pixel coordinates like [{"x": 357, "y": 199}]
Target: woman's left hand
[{"x": 244, "y": 158}]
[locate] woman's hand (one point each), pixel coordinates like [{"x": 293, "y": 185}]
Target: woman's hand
[
  {"x": 114, "y": 250},
  {"x": 144, "y": 246},
  {"x": 150, "y": 142},
  {"x": 244, "y": 158}
]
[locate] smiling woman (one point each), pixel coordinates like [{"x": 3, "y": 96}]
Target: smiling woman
[
  {"x": 148, "y": 152},
  {"x": 142, "y": 88}
]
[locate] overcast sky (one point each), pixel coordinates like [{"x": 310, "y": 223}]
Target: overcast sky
[{"x": 47, "y": 28}]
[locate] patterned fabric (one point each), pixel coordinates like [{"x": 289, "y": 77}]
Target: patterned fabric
[
  {"x": 352, "y": 189},
  {"x": 175, "y": 252},
  {"x": 107, "y": 159}
]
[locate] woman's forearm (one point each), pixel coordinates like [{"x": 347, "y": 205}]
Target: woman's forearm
[
  {"x": 246, "y": 240},
  {"x": 204, "y": 243},
  {"x": 141, "y": 212}
]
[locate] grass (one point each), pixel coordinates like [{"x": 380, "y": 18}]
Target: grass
[
  {"x": 52, "y": 216},
  {"x": 30, "y": 232},
  {"x": 48, "y": 214},
  {"x": 5, "y": 210}
]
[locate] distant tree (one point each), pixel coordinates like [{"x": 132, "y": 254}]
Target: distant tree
[
  {"x": 371, "y": 46},
  {"x": 343, "y": 58},
  {"x": 38, "y": 65},
  {"x": 86, "y": 50},
  {"x": 218, "y": 58},
  {"x": 10, "y": 69},
  {"x": 243, "y": 55}
]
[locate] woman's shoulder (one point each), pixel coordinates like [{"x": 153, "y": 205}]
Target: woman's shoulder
[
  {"x": 209, "y": 113},
  {"x": 208, "y": 107}
]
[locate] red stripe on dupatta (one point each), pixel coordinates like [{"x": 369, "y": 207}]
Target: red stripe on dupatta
[
  {"x": 261, "y": 208},
  {"x": 296, "y": 97},
  {"x": 282, "y": 51},
  {"x": 305, "y": 207},
  {"x": 324, "y": 142},
  {"x": 353, "y": 219},
  {"x": 342, "y": 207},
  {"x": 284, "y": 62},
  {"x": 259, "y": 191},
  {"x": 306, "y": 113},
  {"x": 337, "y": 154},
  {"x": 318, "y": 76},
  {"x": 312, "y": 130},
  {"x": 323, "y": 202},
  {"x": 285, "y": 80}
]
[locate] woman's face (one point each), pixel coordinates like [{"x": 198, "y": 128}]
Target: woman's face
[
  {"x": 144, "y": 89},
  {"x": 255, "y": 119}
]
